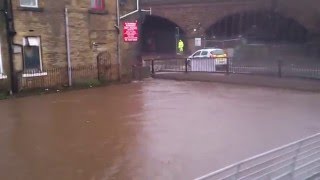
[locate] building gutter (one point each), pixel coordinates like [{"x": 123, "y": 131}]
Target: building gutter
[
  {"x": 68, "y": 47},
  {"x": 118, "y": 41},
  {"x": 10, "y": 34},
  {"x": 137, "y": 10}
]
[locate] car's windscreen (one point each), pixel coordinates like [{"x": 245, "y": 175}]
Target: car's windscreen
[{"x": 197, "y": 53}]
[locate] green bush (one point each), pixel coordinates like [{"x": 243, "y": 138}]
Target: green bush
[{"x": 4, "y": 95}]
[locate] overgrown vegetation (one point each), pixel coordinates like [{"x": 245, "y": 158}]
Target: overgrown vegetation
[{"x": 4, "y": 94}]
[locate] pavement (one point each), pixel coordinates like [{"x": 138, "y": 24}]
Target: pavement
[{"x": 243, "y": 79}]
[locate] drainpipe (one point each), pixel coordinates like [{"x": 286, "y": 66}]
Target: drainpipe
[
  {"x": 135, "y": 11},
  {"x": 10, "y": 35},
  {"x": 119, "y": 40},
  {"x": 68, "y": 47}
]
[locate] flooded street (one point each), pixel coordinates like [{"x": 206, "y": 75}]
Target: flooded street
[{"x": 155, "y": 129}]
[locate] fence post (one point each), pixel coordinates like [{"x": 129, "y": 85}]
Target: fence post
[
  {"x": 280, "y": 69},
  {"x": 236, "y": 175},
  {"x": 186, "y": 65},
  {"x": 228, "y": 66},
  {"x": 295, "y": 158},
  {"x": 152, "y": 66}
]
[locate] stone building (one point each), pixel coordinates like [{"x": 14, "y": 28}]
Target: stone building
[{"x": 49, "y": 33}]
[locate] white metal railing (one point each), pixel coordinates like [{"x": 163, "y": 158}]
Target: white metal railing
[{"x": 298, "y": 160}]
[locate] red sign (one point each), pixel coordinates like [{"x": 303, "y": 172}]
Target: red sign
[{"x": 130, "y": 32}]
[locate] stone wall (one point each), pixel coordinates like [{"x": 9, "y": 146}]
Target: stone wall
[
  {"x": 46, "y": 22},
  {"x": 192, "y": 14},
  {"x": 91, "y": 32},
  {"x": 129, "y": 51}
]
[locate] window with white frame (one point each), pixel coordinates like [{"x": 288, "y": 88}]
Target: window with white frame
[
  {"x": 97, "y": 4},
  {"x": 29, "y": 3},
  {"x": 32, "y": 54}
]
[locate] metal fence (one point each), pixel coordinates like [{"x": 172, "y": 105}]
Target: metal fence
[
  {"x": 167, "y": 65},
  {"x": 58, "y": 77},
  {"x": 296, "y": 161},
  {"x": 279, "y": 69}
]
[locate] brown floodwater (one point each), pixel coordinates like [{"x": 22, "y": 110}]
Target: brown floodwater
[{"x": 149, "y": 130}]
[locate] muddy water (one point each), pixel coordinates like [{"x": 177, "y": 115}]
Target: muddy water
[{"x": 150, "y": 130}]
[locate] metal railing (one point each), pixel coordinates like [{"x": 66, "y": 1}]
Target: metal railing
[
  {"x": 185, "y": 65},
  {"x": 58, "y": 77},
  {"x": 278, "y": 69},
  {"x": 167, "y": 65},
  {"x": 296, "y": 161}
]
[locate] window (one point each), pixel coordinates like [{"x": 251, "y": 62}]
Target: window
[
  {"x": 197, "y": 53},
  {"x": 97, "y": 4},
  {"x": 29, "y": 3},
  {"x": 204, "y": 53},
  {"x": 32, "y": 54}
]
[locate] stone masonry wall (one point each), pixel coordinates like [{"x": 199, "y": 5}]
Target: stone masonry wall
[
  {"x": 207, "y": 12},
  {"x": 201, "y": 15},
  {"x": 130, "y": 51},
  {"x": 91, "y": 32},
  {"x": 46, "y": 22}
]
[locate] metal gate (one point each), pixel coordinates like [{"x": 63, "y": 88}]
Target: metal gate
[{"x": 104, "y": 66}]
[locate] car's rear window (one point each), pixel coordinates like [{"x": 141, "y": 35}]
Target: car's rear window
[{"x": 217, "y": 52}]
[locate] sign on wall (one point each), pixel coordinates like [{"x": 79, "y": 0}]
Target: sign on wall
[
  {"x": 197, "y": 42},
  {"x": 130, "y": 31}
]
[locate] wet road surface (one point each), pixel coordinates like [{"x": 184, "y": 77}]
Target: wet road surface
[{"x": 155, "y": 129}]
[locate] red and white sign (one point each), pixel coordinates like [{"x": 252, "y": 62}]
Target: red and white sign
[{"x": 130, "y": 31}]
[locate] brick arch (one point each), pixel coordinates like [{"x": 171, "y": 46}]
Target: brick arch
[
  {"x": 201, "y": 15},
  {"x": 178, "y": 23},
  {"x": 290, "y": 15},
  {"x": 158, "y": 35},
  {"x": 169, "y": 19},
  {"x": 169, "y": 15}
]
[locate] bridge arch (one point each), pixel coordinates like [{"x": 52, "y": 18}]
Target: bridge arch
[
  {"x": 259, "y": 25},
  {"x": 160, "y": 35}
]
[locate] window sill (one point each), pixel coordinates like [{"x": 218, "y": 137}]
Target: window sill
[
  {"x": 26, "y": 75},
  {"x": 34, "y": 9},
  {"x": 98, "y": 11},
  {"x": 3, "y": 76}
]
